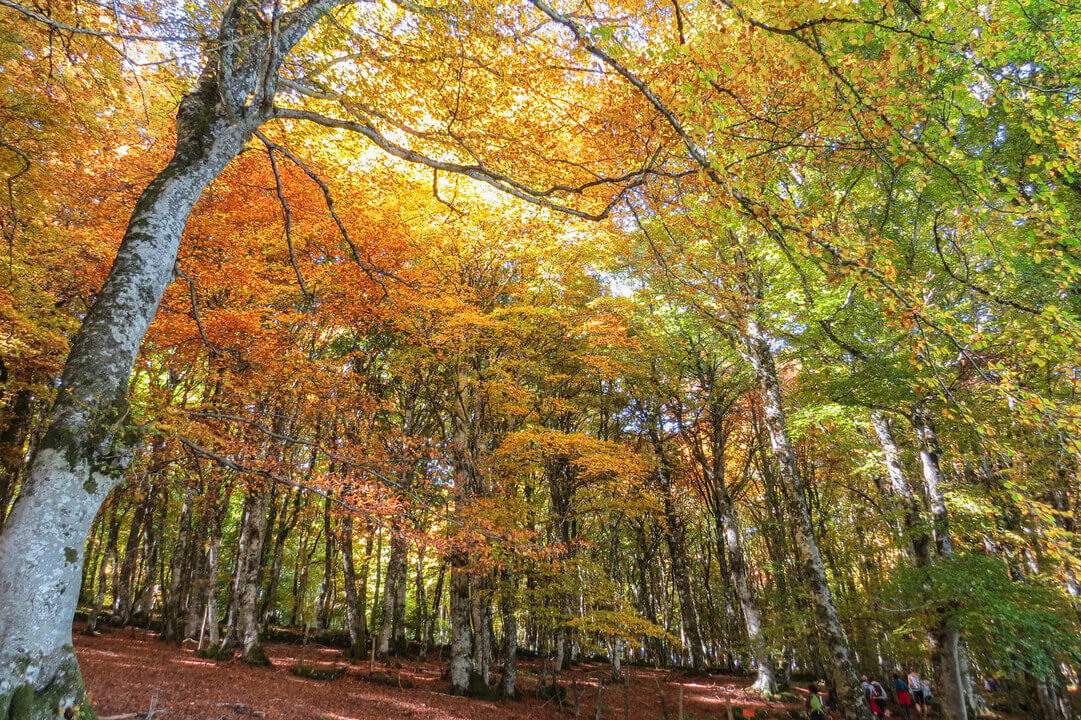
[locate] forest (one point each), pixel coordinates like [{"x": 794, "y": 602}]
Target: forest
[{"x": 541, "y": 344}]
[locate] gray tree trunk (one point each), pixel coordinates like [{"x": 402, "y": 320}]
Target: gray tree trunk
[
  {"x": 395, "y": 576},
  {"x": 915, "y": 531},
  {"x": 765, "y": 680},
  {"x": 480, "y": 605},
  {"x": 461, "y": 634},
  {"x": 945, "y": 639},
  {"x": 508, "y": 611},
  {"x": 842, "y": 673},
  {"x": 247, "y": 585},
  {"x": 180, "y": 572},
  {"x": 354, "y": 608},
  {"x": 85, "y": 447}
]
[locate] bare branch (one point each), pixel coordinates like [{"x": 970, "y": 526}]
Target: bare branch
[
  {"x": 478, "y": 171},
  {"x": 287, "y": 215}
]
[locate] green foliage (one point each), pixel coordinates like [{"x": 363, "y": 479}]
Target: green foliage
[{"x": 1020, "y": 624}]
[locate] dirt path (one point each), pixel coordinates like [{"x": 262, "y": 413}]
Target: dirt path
[{"x": 127, "y": 671}]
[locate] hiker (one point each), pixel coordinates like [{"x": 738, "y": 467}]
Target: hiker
[
  {"x": 915, "y": 684},
  {"x": 814, "y": 703},
  {"x": 879, "y": 698},
  {"x": 904, "y": 696}
]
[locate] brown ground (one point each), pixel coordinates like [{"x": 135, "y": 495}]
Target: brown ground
[{"x": 129, "y": 671}]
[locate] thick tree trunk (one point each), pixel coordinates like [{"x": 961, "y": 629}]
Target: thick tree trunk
[
  {"x": 79, "y": 460},
  {"x": 86, "y": 440},
  {"x": 247, "y": 585},
  {"x": 842, "y": 673},
  {"x": 461, "y": 634}
]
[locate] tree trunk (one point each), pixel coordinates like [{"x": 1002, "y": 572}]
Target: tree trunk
[
  {"x": 247, "y": 585},
  {"x": 765, "y": 681},
  {"x": 510, "y": 638},
  {"x": 12, "y": 448},
  {"x": 108, "y": 561},
  {"x": 395, "y": 569},
  {"x": 437, "y": 598},
  {"x": 461, "y": 634},
  {"x": 85, "y": 446},
  {"x": 323, "y": 604},
  {"x": 180, "y": 571},
  {"x": 354, "y": 609},
  {"x": 674, "y": 537},
  {"x": 842, "y": 672},
  {"x": 480, "y": 605},
  {"x": 945, "y": 647},
  {"x": 915, "y": 532}
]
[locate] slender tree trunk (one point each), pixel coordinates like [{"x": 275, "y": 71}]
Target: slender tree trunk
[
  {"x": 180, "y": 571},
  {"x": 675, "y": 538},
  {"x": 842, "y": 672},
  {"x": 398, "y": 642},
  {"x": 322, "y": 605},
  {"x": 765, "y": 681},
  {"x": 12, "y": 448},
  {"x": 122, "y": 601},
  {"x": 437, "y": 599},
  {"x": 508, "y": 611},
  {"x": 945, "y": 639},
  {"x": 480, "y": 605},
  {"x": 108, "y": 562},
  {"x": 287, "y": 521},
  {"x": 390, "y": 595},
  {"x": 354, "y": 609},
  {"x": 901, "y": 488}
]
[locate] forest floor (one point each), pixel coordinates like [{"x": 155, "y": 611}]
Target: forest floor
[{"x": 131, "y": 671}]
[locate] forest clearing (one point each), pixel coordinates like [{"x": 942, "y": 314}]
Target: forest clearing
[{"x": 446, "y": 358}]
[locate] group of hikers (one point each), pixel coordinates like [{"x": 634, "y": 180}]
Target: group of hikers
[{"x": 911, "y": 693}]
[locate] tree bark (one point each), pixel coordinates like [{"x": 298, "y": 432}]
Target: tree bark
[
  {"x": 354, "y": 608},
  {"x": 765, "y": 680},
  {"x": 180, "y": 572},
  {"x": 461, "y": 634},
  {"x": 842, "y": 673},
  {"x": 945, "y": 639},
  {"x": 508, "y": 611},
  {"x": 247, "y": 585},
  {"x": 85, "y": 446}
]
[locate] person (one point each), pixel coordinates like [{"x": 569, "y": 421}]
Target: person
[
  {"x": 904, "y": 696},
  {"x": 878, "y": 698},
  {"x": 815, "y": 704},
  {"x": 915, "y": 684}
]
